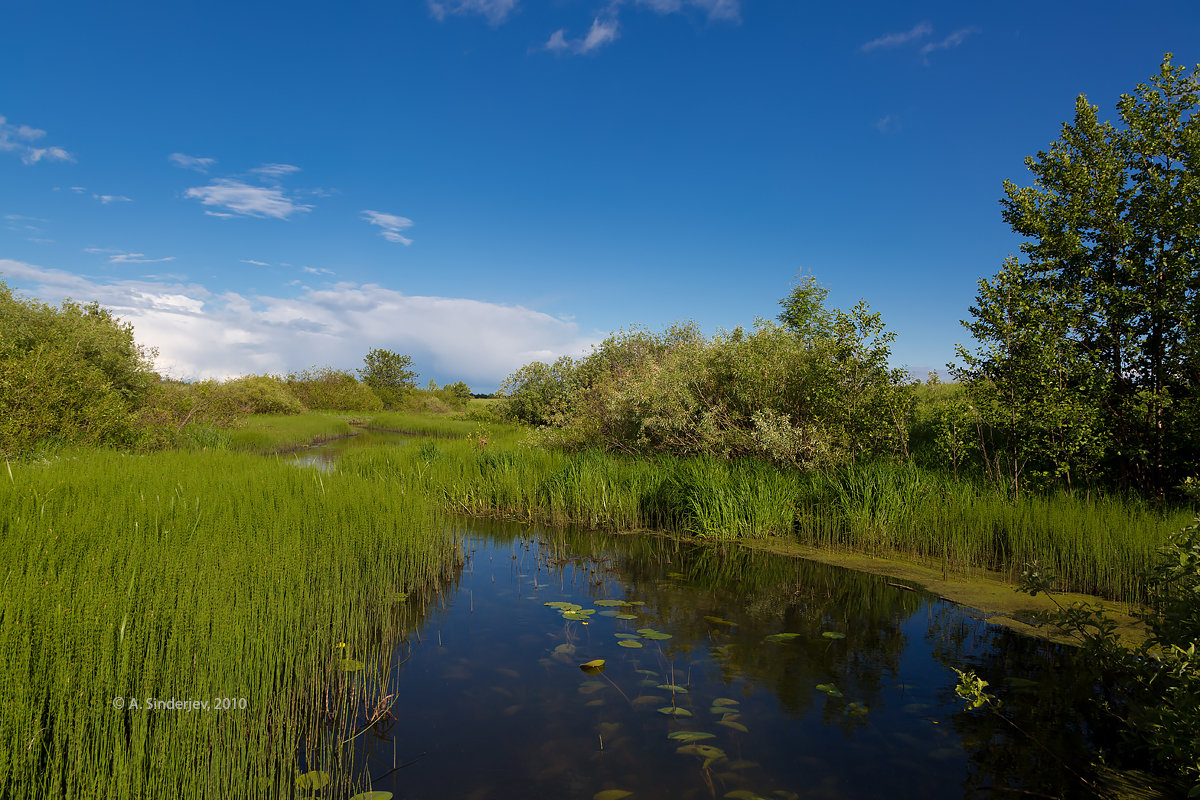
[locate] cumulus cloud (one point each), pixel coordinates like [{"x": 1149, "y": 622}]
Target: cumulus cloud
[
  {"x": 237, "y": 198},
  {"x": 918, "y": 31},
  {"x": 602, "y": 32},
  {"x": 495, "y": 11},
  {"x": 201, "y": 333},
  {"x": 20, "y": 140},
  {"x": 191, "y": 162},
  {"x": 391, "y": 225}
]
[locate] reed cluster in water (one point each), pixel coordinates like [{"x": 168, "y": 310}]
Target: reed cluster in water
[
  {"x": 1097, "y": 544},
  {"x": 269, "y": 592}
]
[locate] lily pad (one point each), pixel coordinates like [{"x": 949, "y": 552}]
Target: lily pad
[
  {"x": 603, "y": 603},
  {"x": 626, "y": 616},
  {"x": 563, "y": 605},
  {"x": 833, "y": 635},
  {"x": 609, "y": 613},
  {"x": 672, "y": 688},
  {"x": 312, "y": 781},
  {"x": 577, "y": 616},
  {"x": 648, "y": 634},
  {"x": 674, "y": 711},
  {"x": 725, "y": 701},
  {"x": 593, "y": 667},
  {"x": 629, "y": 643},
  {"x": 721, "y": 621},
  {"x": 829, "y": 689},
  {"x": 611, "y": 794},
  {"x": 702, "y": 750},
  {"x": 690, "y": 736},
  {"x": 649, "y": 672},
  {"x": 737, "y": 726},
  {"x": 781, "y": 637}
]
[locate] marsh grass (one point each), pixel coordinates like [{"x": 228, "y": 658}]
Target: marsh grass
[
  {"x": 276, "y": 433},
  {"x": 197, "y": 576},
  {"x": 1096, "y": 544}
]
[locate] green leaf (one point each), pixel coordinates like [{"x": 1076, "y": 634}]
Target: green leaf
[
  {"x": 350, "y": 665},
  {"x": 626, "y": 616},
  {"x": 672, "y": 688},
  {"x": 829, "y": 689},
  {"x": 725, "y": 701},
  {"x": 649, "y": 634},
  {"x": 737, "y": 726},
  {"x": 833, "y": 635},
  {"x": 721, "y": 621},
  {"x": 705, "y": 751},
  {"x": 634, "y": 643},
  {"x": 674, "y": 711},
  {"x": 690, "y": 736},
  {"x": 611, "y": 794},
  {"x": 781, "y": 637},
  {"x": 603, "y": 603},
  {"x": 593, "y": 667}
]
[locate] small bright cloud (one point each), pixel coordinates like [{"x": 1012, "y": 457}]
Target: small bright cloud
[
  {"x": 317, "y": 270},
  {"x": 206, "y": 334},
  {"x": 112, "y": 198},
  {"x": 495, "y": 11},
  {"x": 191, "y": 162},
  {"x": 882, "y": 125},
  {"x": 726, "y": 10},
  {"x": 391, "y": 225},
  {"x": 275, "y": 170},
  {"x": 255, "y": 263},
  {"x": 920, "y": 30},
  {"x": 19, "y": 140},
  {"x": 244, "y": 199}
]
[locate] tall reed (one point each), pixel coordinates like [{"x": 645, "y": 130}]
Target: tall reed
[{"x": 196, "y": 576}]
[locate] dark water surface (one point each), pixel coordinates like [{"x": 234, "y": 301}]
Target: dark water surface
[{"x": 491, "y": 702}]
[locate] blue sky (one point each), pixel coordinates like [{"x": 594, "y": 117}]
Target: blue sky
[{"x": 264, "y": 187}]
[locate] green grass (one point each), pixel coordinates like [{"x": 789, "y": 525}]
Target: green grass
[
  {"x": 197, "y": 576},
  {"x": 1099, "y": 545},
  {"x": 276, "y": 433},
  {"x": 445, "y": 426}
]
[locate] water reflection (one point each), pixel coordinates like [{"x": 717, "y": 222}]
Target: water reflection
[
  {"x": 323, "y": 456},
  {"x": 855, "y": 700}
]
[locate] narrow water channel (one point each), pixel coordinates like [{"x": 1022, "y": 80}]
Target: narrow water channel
[{"x": 727, "y": 674}]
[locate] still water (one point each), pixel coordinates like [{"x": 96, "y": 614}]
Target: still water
[{"x": 727, "y": 674}]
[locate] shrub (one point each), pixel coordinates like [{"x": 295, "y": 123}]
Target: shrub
[{"x": 327, "y": 388}]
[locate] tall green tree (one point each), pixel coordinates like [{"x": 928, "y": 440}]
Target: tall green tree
[
  {"x": 389, "y": 373},
  {"x": 1112, "y": 269}
]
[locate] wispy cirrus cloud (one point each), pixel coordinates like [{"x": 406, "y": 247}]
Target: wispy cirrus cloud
[
  {"x": 495, "y": 11},
  {"x": 191, "y": 162},
  {"x": 236, "y": 198},
  {"x": 124, "y": 257},
  {"x": 275, "y": 171},
  {"x": 391, "y": 225},
  {"x": 206, "y": 334},
  {"x": 255, "y": 263},
  {"x": 918, "y": 31},
  {"x": 602, "y": 32},
  {"x": 724, "y": 10},
  {"x": 22, "y": 140},
  {"x": 107, "y": 199},
  {"x": 953, "y": 40}
]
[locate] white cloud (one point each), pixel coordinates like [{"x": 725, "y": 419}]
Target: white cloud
[
  {"x": 191, "y": 162},
  {"x": 496, "y": 11},
  {"x": 255, "y": 263},
  {"x": 112, "y": 198},
  {"x": 391, "y": 224},
  {"x": 244, "y": 199},
  {"x": 122, "y": 257},
  {"x": 317, "y": 270},
  {"x": 882, "y": 125},
  {"x": 19, "y": 139},
  {"x": 601, "y": 33},
  {"x": 275, "y": 170},
  {"x": 953, "y": 40},
  {"x": 726, "y": 10},
  {"x": 201, "y": 333},
  {"x": 921, "y": 29}
]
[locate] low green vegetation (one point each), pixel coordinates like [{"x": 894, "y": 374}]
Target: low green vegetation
[{"x": 198, "y": 577}]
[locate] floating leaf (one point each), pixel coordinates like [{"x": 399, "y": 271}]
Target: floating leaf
[
  {"x": 594, "y": 703},
  {"x": 575, "y": 615},
  {"x": 350, "y": 665},
  {"x": 593, "y": 667},
  {"x": 690, "y": 736},
  {"x": 372, "y": 796},
  {"x": 565, "y": 649},
  {"x": 833, "y": 635},
  {"x": 563, "y": 605},
  {"x": 312, "y": 781},
  {"x": 737, "y": 726},
  {"x": 654, "y": 635},
  {"x": 829, "y": 689},
  {"x": 725, "y": 701},
  {"x": 611, "y": 794},
  {"x": 676, "y": 575},
  {"x": 781, "y": 637},
  {"x": 629, "y": 643},
  {"x": 672, "y": 688},
  {"x": 645, "y": 682},
  {"x": 635, "y": 602},
  {"x": 649, "y": 672},
  {"x": 626, "y": 616},
  {"x": 705, "y": 751},
  {"x": 609, "y": 613},
  {"x": 721, "y": 621},
  {"x": 674, "y": 711},
  {"x": 646, "y": 699},
  {"x": 608, "y": 603},
  {"x": 725, "y": 713}
]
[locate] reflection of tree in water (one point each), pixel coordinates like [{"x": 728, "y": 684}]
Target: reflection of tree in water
[{"x": 1048, "y": 691}]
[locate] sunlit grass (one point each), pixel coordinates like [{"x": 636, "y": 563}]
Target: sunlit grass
[
  {"x": 196, "y": 576},
  {"x": 274, "y": 433}
]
